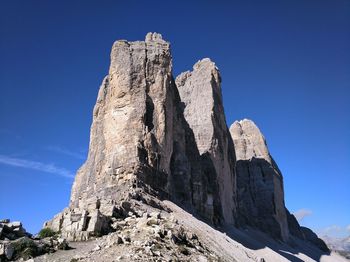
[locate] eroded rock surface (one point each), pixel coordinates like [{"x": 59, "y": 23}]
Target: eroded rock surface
[
  {"x": 260, "y": 188},
  {"x": 139, "y": 139},
  {"x": 154, "y": 138},
  {"x": 200, "y": 92},
  {"x": 172, "y": 234},
  {"x": 259, "y": 181},
  {"x": 16, "y": 243}
]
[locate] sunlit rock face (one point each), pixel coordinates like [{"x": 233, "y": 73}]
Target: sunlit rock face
[
  {"x": 132, "y": 125},
  {"x": 200, "y": 92},
  {"x": 139, "y": 134},
  {"x": 140, "y": 139},
  {"x": 259, "y": 182},
  {"x": 154, "y": 138}
]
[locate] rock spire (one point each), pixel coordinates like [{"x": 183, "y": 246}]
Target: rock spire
[
  {"x": 200, "y": 92},
  {"x": 154, "y": 138},
  {"x": 259, "y": 181}
]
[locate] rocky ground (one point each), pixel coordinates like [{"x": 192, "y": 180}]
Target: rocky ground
[
  {"x": 17, "y": 244},
  {"x": 172, "y": 234}
]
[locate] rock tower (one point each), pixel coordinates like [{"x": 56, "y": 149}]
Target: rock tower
[{"x": 154, "y": 137}]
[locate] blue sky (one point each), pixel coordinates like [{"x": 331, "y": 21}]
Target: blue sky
[{"x": 284, "y": 64}]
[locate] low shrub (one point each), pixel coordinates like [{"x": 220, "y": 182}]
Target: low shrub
[{"x": 47, "y": 232}]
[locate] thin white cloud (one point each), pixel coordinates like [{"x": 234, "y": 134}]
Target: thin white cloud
[
  {"x": 66, "y": 152},
  {"x": 48, "y": 168},
  {"x": 333, "y": 228},
  {"x": 335, "y": 231},
  {"x": 302, "y": 213}
]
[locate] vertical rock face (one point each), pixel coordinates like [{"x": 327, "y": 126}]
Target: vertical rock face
[
  {"x": 260, "y": 194},
  {"x": 154, "y": 137},
  {"x": 200, "y": 92},
  {"x": 304, "y": 233},
  {"x": 259, "y": 182},
  {"x": 139, "y": 138},
  {"x": 131, "y": 125}
]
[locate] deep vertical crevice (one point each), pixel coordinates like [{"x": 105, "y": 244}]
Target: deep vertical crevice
[{"x": 149, "y": 113}]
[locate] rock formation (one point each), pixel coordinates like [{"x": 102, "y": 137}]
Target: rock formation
[
  {"x": 16, "y": 243},
  {"x": 260, "y": 190},
  {"x": 200, "y": 92},
  {"x": 153, "y": 138},
  {"x": 259, "y": 181},
  {"x": 140, "y": 140}
]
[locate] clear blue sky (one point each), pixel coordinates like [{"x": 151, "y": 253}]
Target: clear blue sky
[{"x": 284, "y": 64}]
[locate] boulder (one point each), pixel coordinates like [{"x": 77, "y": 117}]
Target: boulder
[
  {"x": 12, "y": 230},
  {"x": 6, "y": 250}
]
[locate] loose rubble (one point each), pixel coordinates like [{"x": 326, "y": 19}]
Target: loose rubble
[{"x": 16, "y": 243}]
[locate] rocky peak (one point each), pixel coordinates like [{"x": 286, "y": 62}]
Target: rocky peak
[
  {"x": 129, "y": 117},
  {"x": 154, "y": 138},
  {"x": 200, "y": 92},
  {"x": 139, "y": 141},
  {"x": 249, "y": 141},
  {"x": 154, "y": 37},
  {"x": 259, "y": 181}
]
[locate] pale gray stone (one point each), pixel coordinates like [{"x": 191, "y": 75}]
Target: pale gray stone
[
  {"x": 200, "y": 91},
  {"x": 259, "y": 181},
  {"x": 138, "y": 137}
]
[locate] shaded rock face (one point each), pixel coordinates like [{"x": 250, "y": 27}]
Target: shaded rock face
[
  {"x": 310, "y": 236},
  {"x": 200, "y": 92},
  {"x": 304, "y": 233},
  {"x": 259, "y": 182},
  {"x": 260, "y": 194}
]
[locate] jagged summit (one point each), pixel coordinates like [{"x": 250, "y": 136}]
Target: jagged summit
[
  {"x": 205, "y": 62},
  {"x": 155, "y": 138},
  {"x": 259, "y": 181},
  {"x": 154, "y": 37},
  {"x": 200, "y": 92},
  {"x": 249, "y": 141}
]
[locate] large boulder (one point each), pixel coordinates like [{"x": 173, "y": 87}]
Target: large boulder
[
  {"x": 12, "y": 230},
  {"x": 16, "y": 243}
]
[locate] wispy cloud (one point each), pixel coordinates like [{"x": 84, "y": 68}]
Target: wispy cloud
[
  {"x": 302, "y": 213},
  {"x": 335, "y": 231},
  {"x": 24, "y": 163},
  {"x": 67, "y": 152}
]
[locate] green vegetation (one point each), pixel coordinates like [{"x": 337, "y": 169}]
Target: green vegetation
[
  {"x": 24, "y": 248},
  {"x": 47, "y": 232}
]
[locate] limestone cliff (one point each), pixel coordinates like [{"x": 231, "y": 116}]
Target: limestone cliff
[
  {"x": 154, "y": 138},
  {"x": 141, "y": 141},
  {"x": 200, "y": 92},
  {"x": 260, "y": 190},
  {"x": 259, "y": 181}
]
